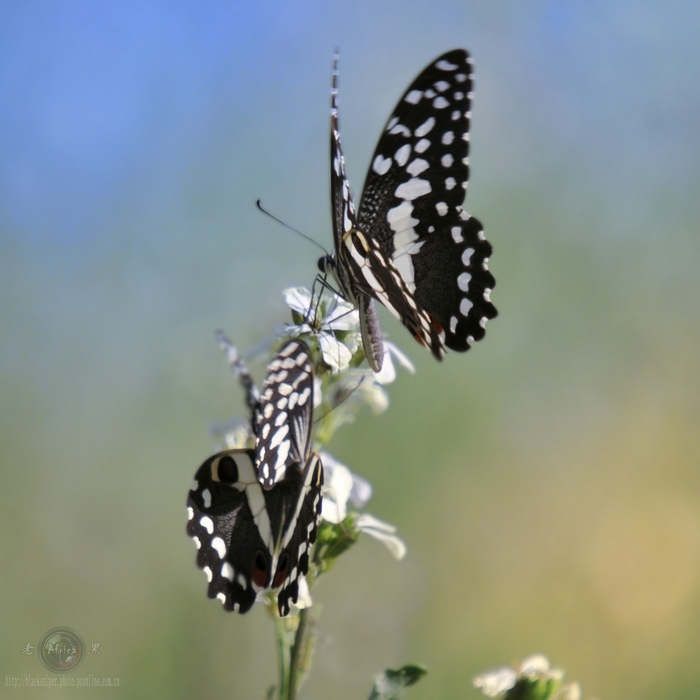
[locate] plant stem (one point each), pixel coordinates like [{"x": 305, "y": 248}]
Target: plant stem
[
  {"x": 283, "y": 656},
  {"x": 298, "y": 653}
]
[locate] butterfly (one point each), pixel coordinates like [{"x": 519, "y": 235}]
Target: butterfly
[
  {"x": 410, "y": 245},
  {"x": 254, "y": 513}
]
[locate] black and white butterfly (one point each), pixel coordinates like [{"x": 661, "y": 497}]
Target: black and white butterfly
[
  {"x": 411, "y": 246},
  {"x": 253, "y": 514}
]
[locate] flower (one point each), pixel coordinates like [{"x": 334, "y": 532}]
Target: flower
[
  {"x": 496, "y": 681},
  {"x": 534, "y": 678},
  {"x": 332, "y": 321},
  {"x": 342, "y": 486},
  {"x": 387, "y": 373},
  {"x": 383, "y": 532}
]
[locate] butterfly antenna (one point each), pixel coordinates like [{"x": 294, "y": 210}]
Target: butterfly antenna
[{"x": 259, "y": 205}]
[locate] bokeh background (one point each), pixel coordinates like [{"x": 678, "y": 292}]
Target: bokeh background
[{"x": 547, "y": 483}]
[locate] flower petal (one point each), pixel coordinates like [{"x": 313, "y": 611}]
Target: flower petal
[
  {"x": 361, "y": 491},
  {"x": 383, "y": 532},
  {"x": 335, "y": 354},
  {"x": 304, "y": 595},
  {"x": 337, "y": 487},
  {"x": 298, "y": 299},
  {"x": 494, "y": 682},
  {"x": 387, "y": 374},
  {"x": 343, "y": 316}
]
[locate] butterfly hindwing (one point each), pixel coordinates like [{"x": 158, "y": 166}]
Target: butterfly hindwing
[{"x": 230, "y": 525}]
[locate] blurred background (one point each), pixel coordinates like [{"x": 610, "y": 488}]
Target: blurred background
[{"x": 547, "y": 483}]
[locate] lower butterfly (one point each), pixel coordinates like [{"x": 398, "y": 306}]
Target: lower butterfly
[{"x": 254, "y": 513}]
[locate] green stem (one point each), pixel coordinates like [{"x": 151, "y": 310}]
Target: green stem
[
  {"x": 283, "y": 657},
  {"x": 298, "y": 653}
]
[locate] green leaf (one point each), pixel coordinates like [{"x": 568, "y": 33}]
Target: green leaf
[{"x": 392, "y": 684}]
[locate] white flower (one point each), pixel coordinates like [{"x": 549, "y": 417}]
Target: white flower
[
  {"x": 387, "y": 373},
  {"x": 383, "y": 532},
  {"x": 537, "y": 666},
  {"x": 341, "y": 486},
  {"x": 304, "y": 595},
  {"x": 341, "y": 316},
  {"x": 532, "y": 668},
  {"x": 495, "y": 682}
]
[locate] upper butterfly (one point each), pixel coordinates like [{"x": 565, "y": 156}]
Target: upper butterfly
[
  {"x": 412, "y": 246},
  {"x": 253, "y": 514}
]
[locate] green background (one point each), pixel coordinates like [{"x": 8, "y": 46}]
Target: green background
[{"x": 546, "y": 483}]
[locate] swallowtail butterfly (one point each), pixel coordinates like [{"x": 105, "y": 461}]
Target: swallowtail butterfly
[
  {"x": 253, "y": 514},
  {"x": 411, "y": 246}
]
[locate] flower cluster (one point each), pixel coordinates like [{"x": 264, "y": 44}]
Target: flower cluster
[{"x": 534, "y": 679}]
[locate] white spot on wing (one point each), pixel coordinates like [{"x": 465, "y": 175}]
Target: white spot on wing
[
  {"x": 417, "y": 166},
  {"x": 422, "y": 146},
  {"x": 467, "y": 256},
  {"x": 448, "y": 137},
  {"x": 440, "y": 102},
  {"x": 400, "y": 129},
  {"x": 425, "y": 127},
  {"x": 445, "y": 65},
  {"x": 218, "y": 544},
  {"x": 402, "y": 154},
  {"x": 413, "y": 189},
  {"x": 207, "y": 523},
  {"x": 381, "y": 165},
  {"x": 227, "y": 571},
  {"x": 441, "y": 208},
  {"x": 463, "y": 281},
  {"x": 414, "y": 97},
  {"x": 400, "y": 218},
  {"x": 465, "y": 306}
]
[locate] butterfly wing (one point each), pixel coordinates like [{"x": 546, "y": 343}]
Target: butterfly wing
[
  {"x": 294, "y": 505},
  {"x": 411, "y": 207},
  {"x": 249, "y": 539},
  {"x": 362, "y": 270},
  {"x": 283, "y": 436},
  {"x": 229, "y": 523}
]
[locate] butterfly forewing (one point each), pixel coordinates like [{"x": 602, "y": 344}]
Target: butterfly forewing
[{"x": 286, "y": 405}]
